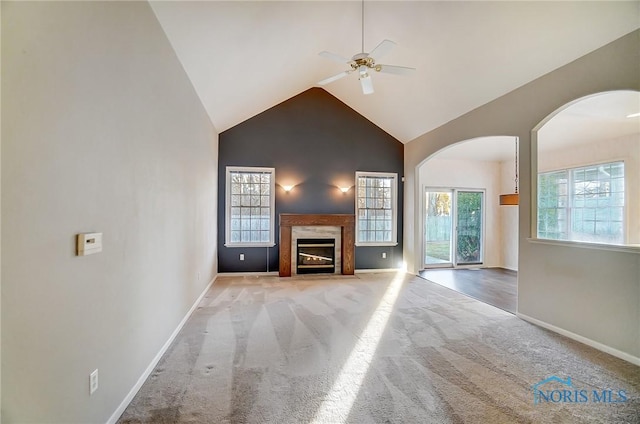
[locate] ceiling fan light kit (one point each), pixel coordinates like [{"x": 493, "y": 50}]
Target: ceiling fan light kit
[{"x": 364, "y": 62}]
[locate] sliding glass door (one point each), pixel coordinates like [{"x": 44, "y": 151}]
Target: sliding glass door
[
  {"x": 438, "y": 228},
  {"x": 469, "y": 219},
  {"x": 453, "y": 227}
]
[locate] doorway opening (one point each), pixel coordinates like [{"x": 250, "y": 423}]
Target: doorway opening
[{"x": 470, "y": 241}]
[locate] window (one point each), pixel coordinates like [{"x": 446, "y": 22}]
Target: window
[
  {"x": 582, "y": 204},
  {"x": 376, "y": 208},
  {"x": 250, "y": 207}
]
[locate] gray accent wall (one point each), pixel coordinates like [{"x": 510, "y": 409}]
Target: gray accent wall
[
  {"x": 590, "y": 294},
  {"x": 316, "y": 142},
  {"x": 102, "y": 132}
]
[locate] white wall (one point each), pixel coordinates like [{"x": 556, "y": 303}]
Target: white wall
[
  {"x": 471, "y": 174},
  {"x": 102, "y": 132},
  {"x": 621, "y": 148},
  {"x": 508, "y": 218},
  {"x": 592, "y": 294},
  {"x": 0, "y": 222}
]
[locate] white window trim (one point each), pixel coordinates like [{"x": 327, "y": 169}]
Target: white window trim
[
  {"x": 272, "y": 198},
  {"x": 625, "y": 221},
  {"x": 394, "y": 207}
]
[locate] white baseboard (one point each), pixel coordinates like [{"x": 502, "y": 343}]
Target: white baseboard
[
  {"x": 276, "y": 273},
  {"x": 596, "y": 345},
  {"x": 249, "y": 274},
  {"x": 369, "y": 271},
  {"x": 147, "y": 372}
]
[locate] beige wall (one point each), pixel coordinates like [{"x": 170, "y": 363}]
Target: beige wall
[
  {"x": 590, "y": 293},
  {"x": 625, "y": 148},
  {"x": 103, "y": 132}
]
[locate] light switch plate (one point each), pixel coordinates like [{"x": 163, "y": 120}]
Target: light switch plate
[
  {"x": 89, "y": 243},
  {"x": 93, "y": 381}
]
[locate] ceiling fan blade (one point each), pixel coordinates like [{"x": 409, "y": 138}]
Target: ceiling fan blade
[
  {"x": 334, "y": 57},
  {"x": 335, "y": 77},
  {"x": 382, "y": 49},
  {"x": 396, "y": 70},
  {"x": 367, "y": 84}
]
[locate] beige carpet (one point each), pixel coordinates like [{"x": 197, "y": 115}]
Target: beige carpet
[{"x": 374, "y": 348}]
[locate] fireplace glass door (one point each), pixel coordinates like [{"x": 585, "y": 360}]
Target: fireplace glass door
[{"x": 316, "y": 256}]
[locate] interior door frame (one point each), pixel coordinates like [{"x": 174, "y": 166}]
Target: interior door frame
[{"x": 454, "y": 229}]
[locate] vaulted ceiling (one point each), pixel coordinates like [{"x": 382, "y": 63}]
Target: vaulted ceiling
[{"x": 245, "y": 57}]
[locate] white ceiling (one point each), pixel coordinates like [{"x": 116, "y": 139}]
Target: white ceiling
[
  {"x": 599, "y": 117},
  {"x": 245, "y": 57},
  {"x": 489, "y": 149}
]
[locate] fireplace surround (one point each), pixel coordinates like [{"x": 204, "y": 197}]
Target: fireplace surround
[{"x": 346, "y": 224}]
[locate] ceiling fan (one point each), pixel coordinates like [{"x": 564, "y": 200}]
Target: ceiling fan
[{"x": 363, "y": 63}]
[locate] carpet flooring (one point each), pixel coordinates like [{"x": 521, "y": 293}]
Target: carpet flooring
[{"x": 375, "y": 348}]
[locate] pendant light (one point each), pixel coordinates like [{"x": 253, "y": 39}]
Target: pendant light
[{"x": 513, "y": 198}]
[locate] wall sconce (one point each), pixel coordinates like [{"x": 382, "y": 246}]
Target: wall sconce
[
  {"x": 344, "y": 190},
  {"x": 287, "y": 188}
]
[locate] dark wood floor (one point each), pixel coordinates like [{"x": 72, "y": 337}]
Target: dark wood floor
[{"x": 495, "y": 286}]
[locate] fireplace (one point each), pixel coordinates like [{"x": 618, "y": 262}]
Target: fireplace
[
  {"x": 346, "y": 225},
  {"x": 316, "y": 256}
]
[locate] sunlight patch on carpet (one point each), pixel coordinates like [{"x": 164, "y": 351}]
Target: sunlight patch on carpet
[{"x": 339, "y": 400}]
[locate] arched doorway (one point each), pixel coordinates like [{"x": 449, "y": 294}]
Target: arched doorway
[{"x": 469, "y": 241}]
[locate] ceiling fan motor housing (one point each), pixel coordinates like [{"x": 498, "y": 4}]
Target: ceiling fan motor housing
[
  {"x": 363, "y": 59},
  {"x": 362, "y": 62}
]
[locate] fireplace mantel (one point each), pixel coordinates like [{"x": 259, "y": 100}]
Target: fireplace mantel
[{"x": 347, "y": 228}]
